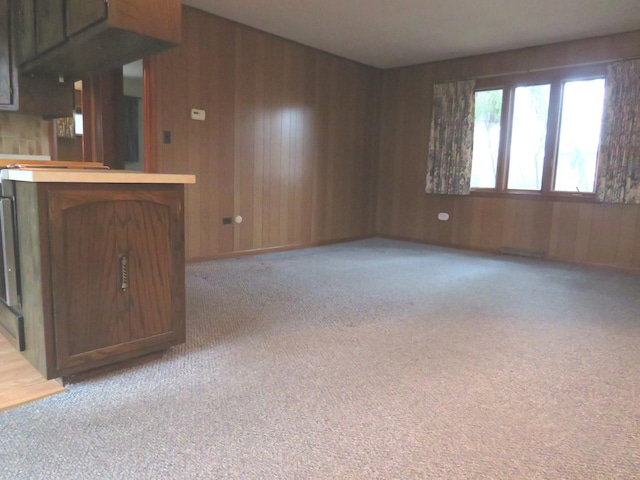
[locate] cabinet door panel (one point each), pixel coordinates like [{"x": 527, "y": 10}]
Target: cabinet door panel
[
  {"x": 5, "y": 56},
  {"x": 84, "y": 13},
  {"x": 50, "y": 24},
  {"x": 89, "y": 307},
  {"x": 104, "y": 309},
  {"x": 151, "y": 272},
  {"x": 24, "y": 30}
]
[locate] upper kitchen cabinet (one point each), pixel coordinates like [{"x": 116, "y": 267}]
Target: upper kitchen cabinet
[
  {"x": 8, "y": 75},
  {"x": 50, "y": 20},
  {"x": 36, "y": 95},
  {"x": 77, "y": 38}
]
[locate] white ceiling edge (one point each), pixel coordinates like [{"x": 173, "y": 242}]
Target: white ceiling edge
[{"x": 396, "y": 33}]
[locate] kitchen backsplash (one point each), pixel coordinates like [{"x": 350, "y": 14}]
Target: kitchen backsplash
[{"x": 23, "y": 134}]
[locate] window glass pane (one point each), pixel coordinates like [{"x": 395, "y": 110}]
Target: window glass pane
[
  {"x": 486, "y": 138},
  {"x": 77, "y": 119},
  {"x": 529, "y": 132},
  {"x": 582, "y": 103}
]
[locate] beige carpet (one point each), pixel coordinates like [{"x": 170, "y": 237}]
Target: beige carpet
[{"x": 371, "y": 359}]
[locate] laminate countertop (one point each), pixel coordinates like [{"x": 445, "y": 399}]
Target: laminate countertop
[{"x": 71, "y": 175}]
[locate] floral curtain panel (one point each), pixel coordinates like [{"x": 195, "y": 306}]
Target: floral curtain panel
[
  {"x": 65, "y": 128},
  {"x": 451, "y": 140},
  {"x": 619, "y": 162}
]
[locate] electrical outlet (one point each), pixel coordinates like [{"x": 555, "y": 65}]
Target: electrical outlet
[
  {"x": 166, "y": 137},
  {"x": 197, "y": 114}
]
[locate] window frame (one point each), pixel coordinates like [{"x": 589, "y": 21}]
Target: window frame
[{"x": 556, "y": 78}]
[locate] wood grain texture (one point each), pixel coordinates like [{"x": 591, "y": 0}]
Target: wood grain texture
[
  {"x": 50, "y": 21},
  {"x": 292, "y": 135},
  {"x": 102, "y": 136},
  {"x": 19, "y": 381},
  {"x": 580, "y": 232},
  {"x": 81, "y": 14},
  {"x": 45, "y": 96},
  {"x": 78, "y": 234},
  {"x": 71, "y": 238},
  {"x": 115, "y": 309},
  {"x": 287, "y": 142},
  {"x": 152, "y": 18},
  {"x": 35, "y": 272},
  {"x": 68, "y": 148},
  {"x": 22, "y": 15},
  {"x": 7, "y": 68},
  {"x": 75, "y": 43}
]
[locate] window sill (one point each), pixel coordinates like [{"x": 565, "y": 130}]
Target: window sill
[{"x": 540, "y": 196}]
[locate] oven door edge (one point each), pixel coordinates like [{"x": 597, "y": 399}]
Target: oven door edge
[
  {"x": 12, "y": 327},
  {"x": 10, "y": 261}
]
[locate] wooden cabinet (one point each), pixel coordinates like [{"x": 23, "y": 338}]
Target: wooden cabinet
[
  {"x": 23, "y": 14},
  {"x": 8, "y": 73},
  {"x": 76, "y": 38},
  {"x": 36, "y": 95},
  {"x": 49, "y": 17},
  {"x": 44, "y": 41},
  {"x": 84, "y": 13},
  {"x": 45, "y": 96},
  {"x": 111, "y": 259}
]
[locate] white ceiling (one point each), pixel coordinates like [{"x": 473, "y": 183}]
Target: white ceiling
[
  {"x": 392, "y": 33},
  {"x": 133, "y": 70}
]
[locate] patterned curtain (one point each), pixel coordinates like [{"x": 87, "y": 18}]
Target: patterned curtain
[
  {"x": 619, "y": 160},
  {"x": 65, "y": 128},
  {"x": 451, "y": 140}
]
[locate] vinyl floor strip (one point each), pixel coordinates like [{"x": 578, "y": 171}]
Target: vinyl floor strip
[{"x": 20, "y": 383}]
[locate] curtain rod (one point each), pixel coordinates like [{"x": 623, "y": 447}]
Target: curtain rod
[{"x": 532, "y": 70}]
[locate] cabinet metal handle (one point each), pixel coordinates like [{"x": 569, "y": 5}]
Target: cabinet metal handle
[{"x": 124, "y": 273}]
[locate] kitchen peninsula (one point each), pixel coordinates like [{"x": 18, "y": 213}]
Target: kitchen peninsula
[{"x": 101, "y": 265}]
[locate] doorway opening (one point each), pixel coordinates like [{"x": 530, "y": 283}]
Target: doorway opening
[
  {"x": 132, "y": 116},
  {"x": 108, "y": 121}
]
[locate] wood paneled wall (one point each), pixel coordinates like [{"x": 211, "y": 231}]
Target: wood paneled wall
[
  {"x": 586, "y": 233},
  {"x": 292, "y": 136},
  {"x": 569, "y": 231},
  {"x": 288, "y": 142}
]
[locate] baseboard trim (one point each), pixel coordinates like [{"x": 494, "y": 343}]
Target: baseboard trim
[
  {"x": 497, "y": 252},
  {"x": 283, "y": 248},
  {"x": 519, "y": 252}
]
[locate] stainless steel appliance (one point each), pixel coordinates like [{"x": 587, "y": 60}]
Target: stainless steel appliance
[{"x": 11, "y": 320}]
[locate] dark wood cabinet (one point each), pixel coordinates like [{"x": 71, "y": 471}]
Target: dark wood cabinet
[
  {"x": 8, "y": 72},
  {"x": 45, "y": 96},
  {"x": 76, "y": 38},
  {"x": 35, "y": 95},
  {"x": 50, "y": 21},
  {"x": 84, "y": 13},
  {"x": 115, "y": 259},
  {"x": 23, "y": 15},
  {"x": 114, "y": 255},
  {"x": 47, "y": 44}
]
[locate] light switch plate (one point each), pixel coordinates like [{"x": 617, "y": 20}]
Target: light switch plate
[{"x": 197, "y": 114}]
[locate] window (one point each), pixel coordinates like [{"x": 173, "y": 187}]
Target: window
[
  {"x": 533, "y": 135},
  {"x": 486, "y": 138},
  {"x": 528, "y": 137},
  {"x": 77, "y": 121},
  {"x": 580, "y": 124}
]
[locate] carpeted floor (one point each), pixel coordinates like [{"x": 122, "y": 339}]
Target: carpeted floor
[{"x": 365, "y": 360}]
